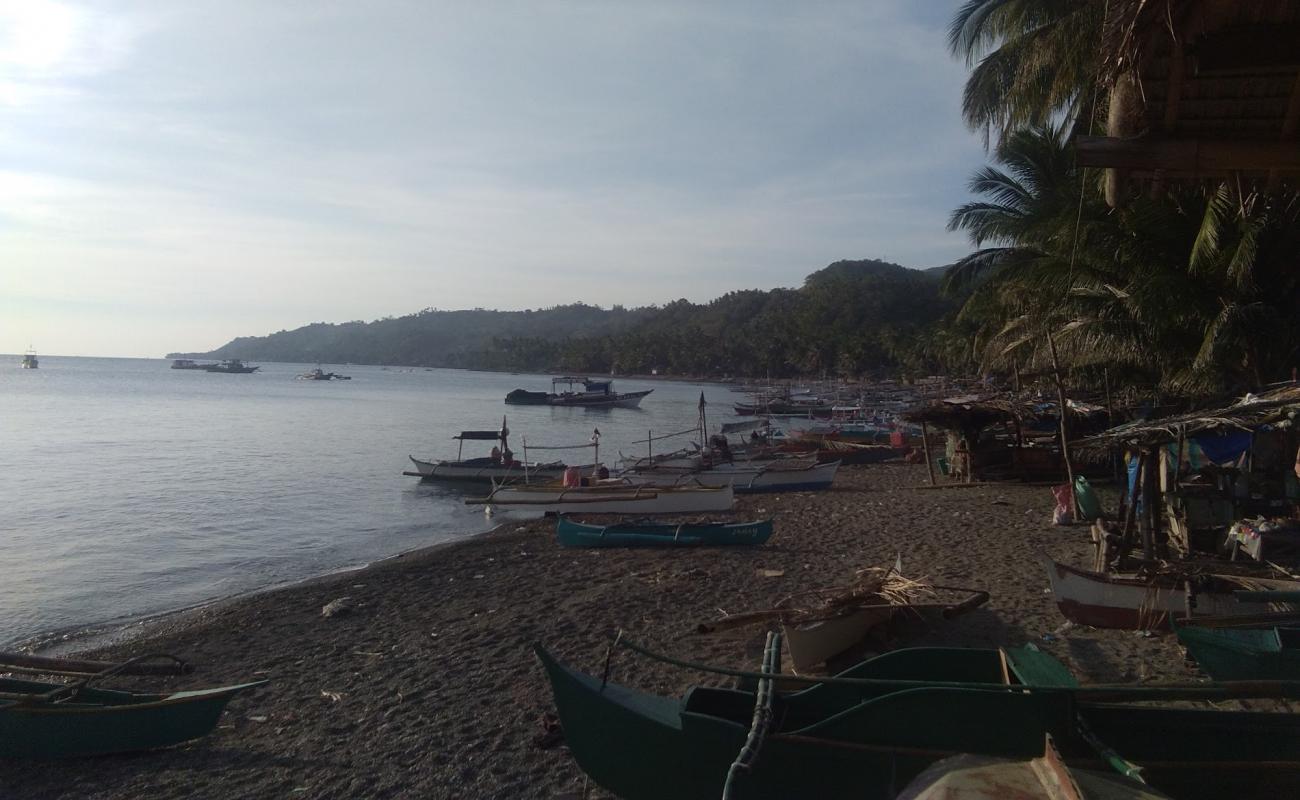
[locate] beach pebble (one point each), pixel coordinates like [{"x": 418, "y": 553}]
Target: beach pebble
[{"x": 337, "y": 607}]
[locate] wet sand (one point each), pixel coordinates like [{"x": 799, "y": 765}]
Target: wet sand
[{"x": 429, "y": 688}]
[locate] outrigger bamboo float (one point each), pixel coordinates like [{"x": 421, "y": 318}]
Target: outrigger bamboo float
[
  {"x": 865, "y": 733},
  {"x": 1149, "y": 602},
  {"x": 662, "y": 534},
  {"x": 616, "y": 498}
]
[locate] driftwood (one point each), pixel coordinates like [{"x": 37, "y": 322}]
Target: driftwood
[{"x": 46, "y": 665}]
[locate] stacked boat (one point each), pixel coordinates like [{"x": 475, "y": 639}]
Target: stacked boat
[
  {"x": 618, "y": 496},
  {"x": 746, "y": 477}
]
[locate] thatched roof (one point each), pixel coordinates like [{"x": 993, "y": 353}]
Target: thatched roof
[
  {"x": 1200, "y": 89},
  {"x": 975, "y": 411},
  {"x": 1277, "y": 407}
]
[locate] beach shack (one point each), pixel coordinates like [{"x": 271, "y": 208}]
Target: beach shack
[
  {"x": 1218, "y": 480},
  {"x": 998, "y": 436}
]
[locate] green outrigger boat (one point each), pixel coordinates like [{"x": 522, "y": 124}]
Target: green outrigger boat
[
  {"x": 866, "y": 733},
  {"x": 45, "y": 720},
  {"x": 662, "y": 534},
  {"x": 1244, "y": 654}
]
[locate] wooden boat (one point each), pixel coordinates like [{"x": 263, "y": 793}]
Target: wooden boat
[
  {"x": 665, "y": 534},
  {"x": 870, "y": 730},
  {"x": 1149, "y": 602},
  {"x": 231, "y": 366},
  {"x": 968, "y": 777},
  {"x": 594, "y": 394},
  {"x": 615, "y": 498},
  {"x": 50, "y": 720},
  {"x": 745, "y": 477},
  {"x": 811, "y": 643},
  {"x": 494, "y": 469},
  {"x": 1244, "y": 654}
]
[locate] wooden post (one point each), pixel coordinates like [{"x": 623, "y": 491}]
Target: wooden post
[
  {"x": 1149, "y": 493},
  {"x": 1064, "y": 427},
  {"x": 1130, "y": 513},
  {"x": 1015, "y": 370},
  {"x": 925, "y": 448}
]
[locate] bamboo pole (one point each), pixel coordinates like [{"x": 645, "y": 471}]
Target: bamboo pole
[
  {"x": 1064, "y": 427},
  {"x": 1149, "y": 492},
  {"x": 925, "y": 447}
]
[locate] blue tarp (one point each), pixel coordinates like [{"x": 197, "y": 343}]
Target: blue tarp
[{"x": 1225, "y": 448}]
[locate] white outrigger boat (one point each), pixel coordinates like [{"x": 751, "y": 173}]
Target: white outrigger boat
[
  {"x": 746, "y": 477},
  {"x": 614, "y": 497},
  {"x": 500, "y": 467},
  {"x": 1149, "y": 602}
]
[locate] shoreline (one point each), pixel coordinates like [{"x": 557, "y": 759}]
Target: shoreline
[
  {"x": 428, "y": 686},
  {"x": 120, "y": 633}
]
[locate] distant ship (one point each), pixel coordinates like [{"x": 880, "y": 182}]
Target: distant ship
[
  {"x": 231, "y": 365},
  {"x": 185, "y": 363},
  {"x": 29, "y": 359}
]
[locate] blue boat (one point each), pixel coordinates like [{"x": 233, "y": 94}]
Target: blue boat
[{"x": 662, "y": 534}]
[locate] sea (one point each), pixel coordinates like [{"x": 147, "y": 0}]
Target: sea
[{"x": 130, "y": 490}]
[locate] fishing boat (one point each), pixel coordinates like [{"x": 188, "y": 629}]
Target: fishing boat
[
  {"x": 616, "y": 497},
  {"x": 869, "y": 730},
  {"x": 594, "y": 394},
  {"x": 745, "y": 477},
  {"x": 29, "y": 360},
  {"x": 666, "y": 534},
  {"x": 43, "y": 720},
  {"x": 1244, "y": 654},
  {"x": 319, "y": 374},
  {"x": 1149, "y": 602},
  {"x": 232, "y": 366},
  {"x": 186, "y": 363},
  {"x": 499, "y": 467}
]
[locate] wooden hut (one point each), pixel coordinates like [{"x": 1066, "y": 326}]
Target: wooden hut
[
  {"x": 1196, "y": 476},
  {"x": 1199, "y": 91},
  {"x": 1001, "y": 435}
]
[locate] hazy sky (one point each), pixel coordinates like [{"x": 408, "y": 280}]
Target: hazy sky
[{"x": 177, "y": 173}]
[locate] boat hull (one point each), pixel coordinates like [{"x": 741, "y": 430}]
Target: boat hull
[
  {"x": 576, "y": 534},
  {"x": 1235, "y": 654},
  {"x": 619, "y": 500},
  {"x": 98, "y": 722},
  {"x": 1128, "y": 602},
  {"x": 811, "y": 643},
  {"x": 863, "y": 743},
  {"x": 486, "y": 473},
  {"x": 745, "y": 479}
]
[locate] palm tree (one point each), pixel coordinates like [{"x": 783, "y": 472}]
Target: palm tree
[{"x": 1032, "y": 60}]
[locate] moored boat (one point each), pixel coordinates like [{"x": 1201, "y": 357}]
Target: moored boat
[
  {"x": 1149, "y": 602},
  {"x": 43, "y": 720},
  {"x": 186, "y": 363},
  {"x": 614, "y": 498},
  {"x": 594, "y": 394},
  {"x": 1244, "y": 654},
  {"x": 744, "y": 477},
  {"x": 500, "y": 467},
  {"x": 665, "y": 534},
  {"x": 231, "y": 366},
  {"x": 319, "y": 374},
  {"x": 866, "y": 732}
]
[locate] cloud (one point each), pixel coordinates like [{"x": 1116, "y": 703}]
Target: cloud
[{"x": 256, "y": 167}]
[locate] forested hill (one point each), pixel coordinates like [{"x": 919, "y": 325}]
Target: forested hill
[{"x": 849, "y": 318}]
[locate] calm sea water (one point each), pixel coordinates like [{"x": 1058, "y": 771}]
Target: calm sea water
[{"x": 129, "y": 489}]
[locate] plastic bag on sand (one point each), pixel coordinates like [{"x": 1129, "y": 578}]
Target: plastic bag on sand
[{"x": 1063, "y": 515}]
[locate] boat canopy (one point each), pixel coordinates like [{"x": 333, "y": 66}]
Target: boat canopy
[{"x": 485, "y": 436}]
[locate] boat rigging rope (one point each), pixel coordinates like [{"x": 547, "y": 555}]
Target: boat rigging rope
[
  {"x": 762, "y": 716},
  {"x": 1108, "y": 693}
]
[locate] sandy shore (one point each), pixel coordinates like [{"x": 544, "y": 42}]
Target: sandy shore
[{"x": 429, "y": 688}]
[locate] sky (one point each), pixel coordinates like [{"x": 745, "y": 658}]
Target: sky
[{"x": 175, "y": 174}]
